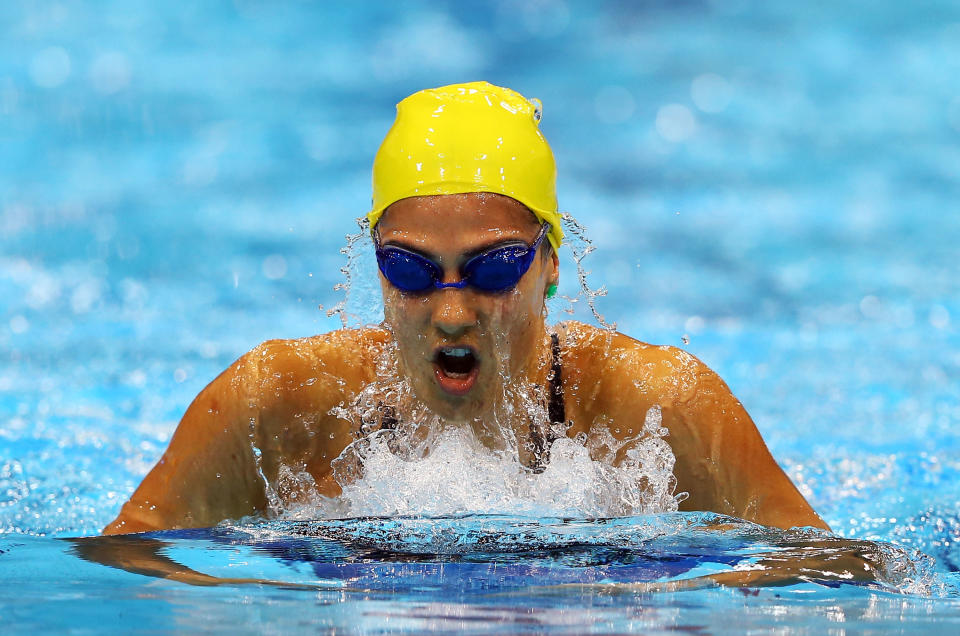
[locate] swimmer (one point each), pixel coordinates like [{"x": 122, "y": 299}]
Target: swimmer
[{"x": 466, "y": 228}]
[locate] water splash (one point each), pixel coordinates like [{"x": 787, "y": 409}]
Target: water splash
[
  {"x": 459, "y": 475},
  {"x": 522, "y": 405},
  {"x": 274, "y": 503},
  {"x": 407, "y": 460},
  {"x": 360, "y": 304},
  {"x": 581, "y": 247}
]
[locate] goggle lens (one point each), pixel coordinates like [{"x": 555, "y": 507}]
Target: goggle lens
[
  {"x": 499, "y": 269},
  {"x": 405, "y": 270}
]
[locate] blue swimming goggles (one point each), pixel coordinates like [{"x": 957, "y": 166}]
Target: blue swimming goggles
[{"x": 495, "y": 270}]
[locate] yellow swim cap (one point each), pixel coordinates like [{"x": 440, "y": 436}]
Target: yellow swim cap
[{"x": 473, "y": 137}]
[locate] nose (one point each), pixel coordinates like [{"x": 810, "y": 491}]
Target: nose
[{"x": 452, "y": 312}]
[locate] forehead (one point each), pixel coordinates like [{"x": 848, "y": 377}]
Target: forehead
[{"x": 448, "y": 217}]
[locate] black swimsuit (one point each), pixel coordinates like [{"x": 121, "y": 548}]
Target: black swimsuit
[
  {"x": 557, "y": 411},
  {"x": 543, "y": 437}
]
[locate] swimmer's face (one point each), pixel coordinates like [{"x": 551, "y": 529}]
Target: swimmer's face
[{"x": 459, "y": 346}]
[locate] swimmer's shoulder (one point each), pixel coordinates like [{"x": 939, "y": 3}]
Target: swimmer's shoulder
[
  {"x": 607, "y": 366},
  {"x": 345, "y": 358},
  {"x": 340, "y": 350}
]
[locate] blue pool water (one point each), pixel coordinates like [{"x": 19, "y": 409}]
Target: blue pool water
[
  {"x": 774, "y": 183},
  {"x": 453, "y": 575}
]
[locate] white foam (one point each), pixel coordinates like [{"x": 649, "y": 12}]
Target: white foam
[{"x": 459, "y": 475}]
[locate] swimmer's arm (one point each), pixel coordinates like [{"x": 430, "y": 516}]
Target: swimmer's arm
[
  {"x": 208, "y": 472},
  {"x": 722, "y": 460},
  {"x": 146, "y": 556},
  {"x": 829, "y": 561},
  {"x": 142, "y": 555}
]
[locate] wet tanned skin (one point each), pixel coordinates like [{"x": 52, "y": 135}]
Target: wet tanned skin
[
  {"x": 279, "y": 395},
  {"x": 507, "y": 330}
]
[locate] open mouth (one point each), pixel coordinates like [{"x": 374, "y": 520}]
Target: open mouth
[{"x": 456, "y": 369}]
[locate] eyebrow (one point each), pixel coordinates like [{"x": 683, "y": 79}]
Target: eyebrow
[{"x": 465, "y": 257}]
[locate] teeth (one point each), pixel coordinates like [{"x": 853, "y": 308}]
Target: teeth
[{"x": 457, "y": 352}]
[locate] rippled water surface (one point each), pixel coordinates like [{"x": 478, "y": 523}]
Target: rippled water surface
[
  {"x": 771, "y": 186},
  {"x": 461, "y": 574}
]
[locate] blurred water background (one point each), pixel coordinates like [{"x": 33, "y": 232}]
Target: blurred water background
[{"x": 772, "y": 186}]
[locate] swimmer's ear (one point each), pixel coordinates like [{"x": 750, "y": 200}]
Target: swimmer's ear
[{"x": 553, "y": 277}]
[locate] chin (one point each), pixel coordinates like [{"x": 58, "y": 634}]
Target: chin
[{"x": 458, "y": 408}]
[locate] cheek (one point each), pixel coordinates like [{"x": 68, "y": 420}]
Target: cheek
[
  {"x": 404, "y": 315},
  {"x": 516, "y": 312},
  {"x": 514, "y": 322}
]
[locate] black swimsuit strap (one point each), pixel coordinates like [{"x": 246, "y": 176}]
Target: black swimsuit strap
[{"x": 556, "y": 409}]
